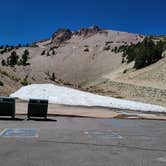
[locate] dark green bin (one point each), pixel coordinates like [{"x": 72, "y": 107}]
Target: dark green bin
[
  {"x": 37, "y": 108},
  {"x": 7, "y": 106}
]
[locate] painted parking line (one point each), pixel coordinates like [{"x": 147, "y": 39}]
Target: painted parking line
[
  {"x": 104, "y": 134},
  {"x": 19, "y": 132}
]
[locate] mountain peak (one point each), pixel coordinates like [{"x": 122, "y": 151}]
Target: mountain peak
[
  {"x": 88, "y": 31},
  {"x": 61, "y": 35},
  {"x": 64, "y": 34}
]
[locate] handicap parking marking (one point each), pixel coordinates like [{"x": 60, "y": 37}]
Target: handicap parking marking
[
  {"x": 104, "y": 134},
  {"x": 19, "y": 132}
]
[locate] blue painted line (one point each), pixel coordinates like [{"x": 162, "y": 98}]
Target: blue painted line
[{"x": 19, "y": 132}]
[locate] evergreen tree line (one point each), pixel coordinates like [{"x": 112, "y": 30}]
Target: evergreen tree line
[
  {"x": 13, "y": 59},
  {"x": 144, "y": 53},
  {"x": 8, "y": 48}
]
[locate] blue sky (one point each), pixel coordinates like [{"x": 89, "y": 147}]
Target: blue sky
[{"x": 25, "y": 21}]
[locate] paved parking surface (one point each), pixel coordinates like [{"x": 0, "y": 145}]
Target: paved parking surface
[{"x": 68, "y": 141}]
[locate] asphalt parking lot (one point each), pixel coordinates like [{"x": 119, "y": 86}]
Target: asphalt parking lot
[{"x": 67, "y": 141}]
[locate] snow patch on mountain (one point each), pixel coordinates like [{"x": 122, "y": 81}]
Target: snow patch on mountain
[{"x": 68, "y": 96}]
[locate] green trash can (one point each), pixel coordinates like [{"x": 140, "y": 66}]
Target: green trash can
[
  {"x": 37, "y": 108},
  {"x": 7, "y": 106}
]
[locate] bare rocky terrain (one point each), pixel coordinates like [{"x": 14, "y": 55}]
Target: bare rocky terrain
[{"x": 86, "y": 59}]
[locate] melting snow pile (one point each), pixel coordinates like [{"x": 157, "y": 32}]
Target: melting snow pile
[{"x": 68, "y": 96}]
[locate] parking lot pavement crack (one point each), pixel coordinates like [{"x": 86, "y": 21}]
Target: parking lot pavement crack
[{"x": 104, "y": 145}]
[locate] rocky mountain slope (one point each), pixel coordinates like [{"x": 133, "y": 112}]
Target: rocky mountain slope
[
  {"x": 86, "y": 59},
  {"x": 67, "y": 58}
]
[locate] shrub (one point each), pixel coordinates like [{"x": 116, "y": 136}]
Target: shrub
[
  {"x": 115, "y": 49},
  {"x": 24, "y": 58},
  {"x": 12, "y": 59},
  {"x": 1, "y": 83},
  {"x": 4, "y": 50},
  {"x": 86, "y": 50},
  {"x": 106, "y": 48},
  {"x": 52, "y": 77},
  {"x": 12, "y": 77},
  {"x": 3, "y": 62},
  {"x": 1, "y": 47},
  {"x": 123, "y": 60},
  {"x": 43, "y": 52},
  {"x": 24, "y": 82},
  {"x": 48, "y": 54},
  {"x": 18, "y": 46},
  {"x": 125, "y": 71},
  {"x": 53, "y": 52}
]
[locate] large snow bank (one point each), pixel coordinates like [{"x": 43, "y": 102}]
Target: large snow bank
[{"x": 68, "y": 96}]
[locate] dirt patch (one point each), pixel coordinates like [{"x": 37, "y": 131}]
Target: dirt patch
[
  {"x": 129, "y": 91},
  {"x": 91, "y": 112}
]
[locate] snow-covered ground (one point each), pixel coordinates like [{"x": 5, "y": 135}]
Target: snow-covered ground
[{"x": 68, "y": 96}]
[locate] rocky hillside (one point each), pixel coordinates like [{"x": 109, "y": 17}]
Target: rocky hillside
[
  {"x": 67, "y": 57},
  {"x": 89, "y": 59}
]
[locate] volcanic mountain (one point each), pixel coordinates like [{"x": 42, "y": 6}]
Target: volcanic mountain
[{"x": 86, "y": 59}]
